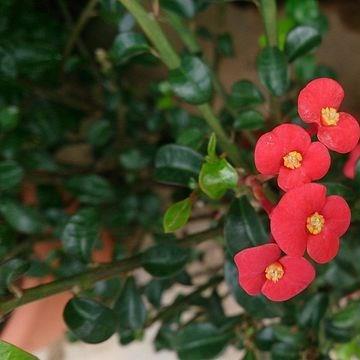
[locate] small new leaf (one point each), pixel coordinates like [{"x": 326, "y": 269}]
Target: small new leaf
[
  {"x": 216, "y": 177},
  {"x": 177, "y": 215}
]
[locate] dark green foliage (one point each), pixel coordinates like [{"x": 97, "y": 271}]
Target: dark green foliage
[{"x": 103, "y": 151}]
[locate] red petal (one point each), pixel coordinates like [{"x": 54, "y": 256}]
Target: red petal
[
  {"x": 298, "y": 274},
  {"x": 316, "y": 161},
  {"x": 293, "y": 137},
  {"x": 316, "y": 95},
  {"x": 268, "y": 154},
  {"x": 323, "y": 247},
  {"x": 288, "y": 219},
  {"x": 337, "y": 215},
  {"x": 272, "y": 146},
  {"x": 342, "y": 137},
  {"x": 291, "y": 178},
  {"x": 251, "y": 264},
  {"x": 350, "y": 165}
]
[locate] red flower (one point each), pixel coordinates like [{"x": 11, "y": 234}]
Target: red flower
[
  {"x": 287, "y": 150},
  {"x": 318, "y": 103},
  {"x": 306, "y": 219},
  {"x": 263, "y": 270},
  {"x": 350, "y": 165}
]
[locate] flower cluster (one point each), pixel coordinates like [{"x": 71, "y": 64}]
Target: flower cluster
[{"x": 305, "y": 222}]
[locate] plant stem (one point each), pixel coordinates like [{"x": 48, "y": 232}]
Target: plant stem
[
  {"x": 171, "y": 59},
  {"x": 84, "y": 17},
  {"x": 86, "y": 279},
  {"x": 268, "y": 11},
  {"x": 178, "y": 304}
]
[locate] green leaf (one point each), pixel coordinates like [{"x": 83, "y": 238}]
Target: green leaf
[
  {"x": 154, "y": 290},
  {"x": 313, "y": 311},
  {"x": 216, "y": 177},
  {"x": 11, "y": 174},
  {"x": 265, "y": 338},
  {"x": 91, "y": 189},
  {"x": 99, "y": 133},
  {"x": 90, "y": 321},
  {"x": 165, "y": 260},
  {"x": 11, "y": 352},
  {"x": 185, "y": 8},
  {"x": 273, "y": 71},
  {"x": 245, "y": 93},
  {"x": 21, "y": 218},
  {"x": 127, "y": 45},
  {"x": 284, "y": 351},
  {"x": 303, "y": 11},
  {"x": 129, "y": 307},
  {"x": 177, "y": 215},
  {"x": 175, "y": 164},
  {"x": 81, "y": 232},
  {"x": 243, "y": 226},
  {"x": 300, "y": 41},
  {"x": 12, "y": 270},
  {"x": 249, "y": 120},
  {"x": 192, "y": 81},
  {"x": 225, "y": 45},
  {"x": 200, "y": 341},
  {"x": 9, "y": 118},
  {"x": 134, "y": 159}
]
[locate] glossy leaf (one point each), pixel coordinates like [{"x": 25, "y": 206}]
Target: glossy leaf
[
  {"x": 225, "y": 45},
  {"x": 216, "y": 177},
  {"x": 272, "y": 69},
  {"x": 81, "y": 232},
  {"x": 200, "y": 341},
  {"x": 9, "y": 118},
  {"x": 164, "y": 260},
  {"x": 243, "y": 226},
  {"x": 11, "y": 174},
  {"x": 127, "y": 45},
  {"x": 185, "y": 8},
  {"x": 301, "y": 40},
  {"x": 177, "y": 215},
  {"x": 89, "y": 320},
  {"x": 313, "y": 311},
  {"x": 177, "y": 164},
  {"x": 129, "y": 307},
  {"x": 245, "y": 93},
  {"x": 91, "y": 189},
  {"x": 22, "y": 218},
  {"x": 192, "y": 81},
  {"x": 99, "y": 133},
  {"x": 11, "y": 352},
  {"x": 249, "y": 120},
  {"x": 11, "y": 271}
]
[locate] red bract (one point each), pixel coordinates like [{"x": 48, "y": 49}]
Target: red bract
[
  {"x": 305, "y": 219},
  {"x": 350, "y": 165},
  {"x": 262, "y": 269},
  {"x": 318, "y": 103},
  {"x": 287, "y": 150}
]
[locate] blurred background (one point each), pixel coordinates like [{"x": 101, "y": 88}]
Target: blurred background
[{"x": 55, "y": 86}]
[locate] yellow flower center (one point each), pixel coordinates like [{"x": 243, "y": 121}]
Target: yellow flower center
[
  {"x": 292, "y": 160},
  {"x": 329, "y": 116},
  {"x": 315, "y": 223},
  {"x": 274, "y": 272}
]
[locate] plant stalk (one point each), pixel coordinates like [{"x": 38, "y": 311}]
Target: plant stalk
[
  {"x": 86, "y": 279},
  {"x": 172, "y": 60}
]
